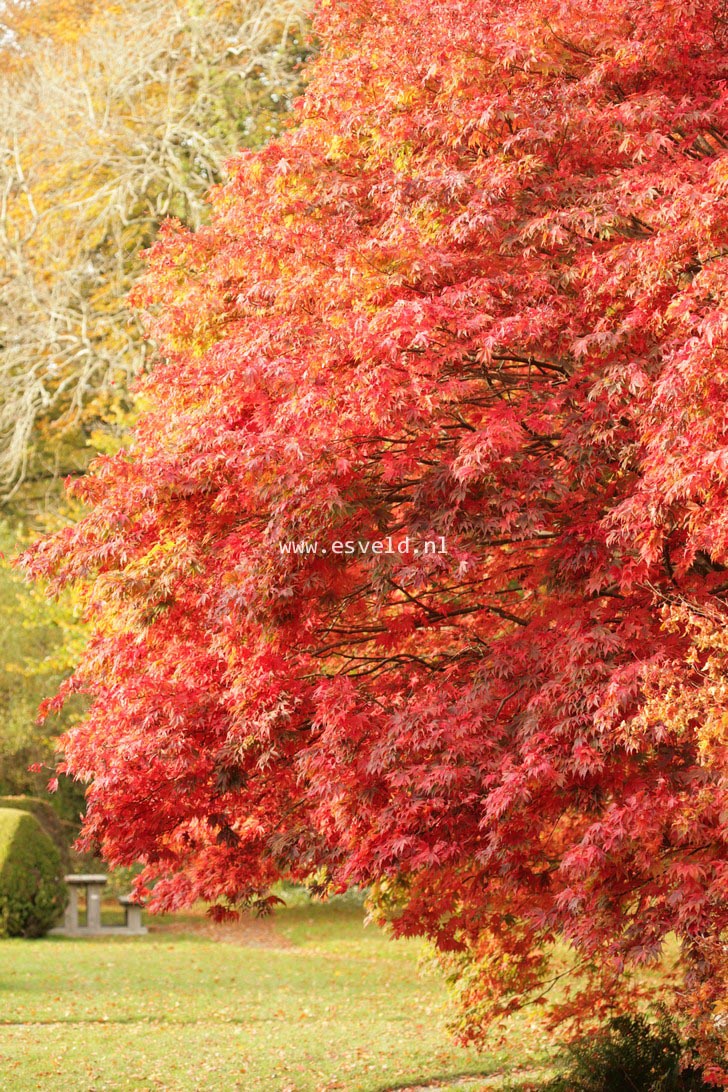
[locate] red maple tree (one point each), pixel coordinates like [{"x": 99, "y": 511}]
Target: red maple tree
[{"x": 475, "y": 297}]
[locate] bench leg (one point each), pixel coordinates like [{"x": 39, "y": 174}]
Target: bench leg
[
  {"x": 93, "y": 909},
  {"x": 70, "y": 920},
  {"x": 134, "y": 917}
]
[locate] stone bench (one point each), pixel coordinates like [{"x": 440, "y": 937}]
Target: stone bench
[
  {"x": 93, "y": 886},
  {"x": 132, "y": 914}
]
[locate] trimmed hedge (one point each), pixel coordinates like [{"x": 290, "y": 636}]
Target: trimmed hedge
[
  {"x": 61, "y": 831},
  {"x": 32, "y": 891}
]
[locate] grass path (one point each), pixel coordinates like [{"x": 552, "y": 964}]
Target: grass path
[{"x": 310, "y": 1003}]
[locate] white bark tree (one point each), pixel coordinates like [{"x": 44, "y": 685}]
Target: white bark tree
[{"x": 101, "y": 139}]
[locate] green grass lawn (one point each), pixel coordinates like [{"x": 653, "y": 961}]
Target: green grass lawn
[{"x": 316, "y": 1003}]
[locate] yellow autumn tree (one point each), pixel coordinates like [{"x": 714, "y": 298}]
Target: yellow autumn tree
[{"x": 112, "y": 117}]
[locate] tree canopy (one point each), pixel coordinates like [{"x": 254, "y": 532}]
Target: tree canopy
[
  {"x": 111, "y": 118},
  {"x": 474, "y": 297}
]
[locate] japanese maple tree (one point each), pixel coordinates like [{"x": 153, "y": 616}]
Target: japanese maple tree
[{"x": 475, "y": 295}]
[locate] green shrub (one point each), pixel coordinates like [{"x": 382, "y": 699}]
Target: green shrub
[
  {"x": 632, "y": 1054},
  {"x": 32, "y": 891},
  {"x": 61, "y": 831}
]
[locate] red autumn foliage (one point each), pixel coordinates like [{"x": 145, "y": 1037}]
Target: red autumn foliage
[{"x": 477, "y": 293}]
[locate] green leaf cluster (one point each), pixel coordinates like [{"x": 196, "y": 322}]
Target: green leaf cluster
[
  {"x": 39, "y": 641},
  {"x": 630, "y": 1053}
]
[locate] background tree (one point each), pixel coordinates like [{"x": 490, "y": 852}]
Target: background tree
[
  {"x": 112, "y": 117},
  {"x": 39, "y": 645},
  {"x": 477, "y": 295}
]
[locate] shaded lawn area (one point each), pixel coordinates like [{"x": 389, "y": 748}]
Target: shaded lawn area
[{"x": 312, "y": 1001}]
